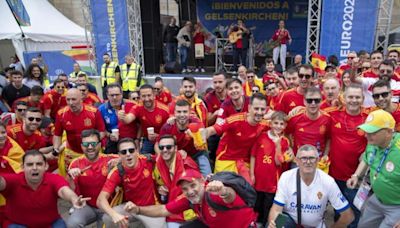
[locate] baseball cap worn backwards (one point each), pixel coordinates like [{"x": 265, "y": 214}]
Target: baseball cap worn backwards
[{"x": 378, "y": 120}]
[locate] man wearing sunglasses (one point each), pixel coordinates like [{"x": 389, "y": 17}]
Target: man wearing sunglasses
[
  {"x": 27, "y": 134},
  {"x": 134, "y": 175},
  {"x": 310, "y": 126},
  {"x": 382, "y": 95},
  {"x": 317, "y": 188},
  {"x": 347, "y": 66},
  {"x": 347, "y": 143},
  {"x": 163, "y": 95},
  {"x": 251, "y": 81},
  {"x": 170, "y": 165},
  {"x": 54, "y": 100},
  {"x": 88, "y": 97},
  {"x": 88, "y": 174},
  {"x": 295, "y": 97},
  {"x": 11, "y": 118},
  {"x": 109, "y": 111}
]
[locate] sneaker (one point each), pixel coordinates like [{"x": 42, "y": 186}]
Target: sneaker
[
  {"x": 188, "y": 70},
  {"x": 202, "y": 70},
  {"x": 183, "y": 71},
  {"x": 196, "y": 70}
]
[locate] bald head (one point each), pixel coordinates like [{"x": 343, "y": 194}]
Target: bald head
[{"x": 74, "y": 100}]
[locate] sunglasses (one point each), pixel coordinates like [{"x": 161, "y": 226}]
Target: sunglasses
[
  {"x": 130, "y": 150},
  {"x": 87, "y": 144},
  {"x": 157, "y": 89},
  {"x": 350, "y": 57},
  {"x": 168, "y": 147},
  {"x": 60, "y": 87},
  {"x": 307, "y": 76},
  {"x": 135, "y": 98},
  {"x": 21, "y": 110},
  {"x": 33, "y": 118},
  {"x": 305, "y": 159},
  {"x": 377, "y": 95},
  {"x": 386, "y": 71},
  {"x": 255, "y": 91},
  {"x": 311, "y": 100}
]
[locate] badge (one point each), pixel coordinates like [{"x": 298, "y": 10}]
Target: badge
[
  {"x": 319, "y": 195},
  {"x": 389, "y": 166},
  {"x": 158, "y": 119},
  {"x": 87, "y": 122}
]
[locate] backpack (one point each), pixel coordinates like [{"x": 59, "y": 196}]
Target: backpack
[{"x": 239, "y": 184}]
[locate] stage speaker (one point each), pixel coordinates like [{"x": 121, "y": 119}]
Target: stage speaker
[
  {"x": 152, "y": 32},
  {"x": 187, "y": 11},
  {"x": 172, "y": 68}
]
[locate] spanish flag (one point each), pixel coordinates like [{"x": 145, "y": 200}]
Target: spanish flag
[{"x": 318, "y": 62}]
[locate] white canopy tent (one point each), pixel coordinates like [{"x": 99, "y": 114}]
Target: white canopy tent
[{"x": 49, "y": 29}]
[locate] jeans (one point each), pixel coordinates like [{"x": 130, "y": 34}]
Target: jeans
[
  {"x": 59, "y": 223},
  {"x": 204, "y": 164},
  {"x": 147, "y": 147},
  {"x": 183, "y": 53},
  {"x": 171, "y": 51},
  {"x": 349, "y": 194}
]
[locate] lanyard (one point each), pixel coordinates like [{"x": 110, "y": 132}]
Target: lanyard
[{"x": 385, "y": 154}]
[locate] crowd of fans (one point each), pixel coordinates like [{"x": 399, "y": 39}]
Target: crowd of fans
[{"x": 290, "y": 142}]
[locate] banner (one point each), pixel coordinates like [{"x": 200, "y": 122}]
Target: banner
[
  {"x": 260, "y": 17},
  {"x": 59, "y": 62},
  {"x": 110, "y": 28},
  {"x": 348, "y": 25},
  {"x": 18, "y": 9}
]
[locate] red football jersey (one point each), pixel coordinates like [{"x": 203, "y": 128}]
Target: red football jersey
[
  {"x": 228, "y": 109},
  {"x": 289, "y": 100},
  {"x": 27, "y": 142}
]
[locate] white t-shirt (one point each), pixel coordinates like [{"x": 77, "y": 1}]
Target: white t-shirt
[
  {"x": 314, "y": 198},
  {"x": 367, "y": 90}
]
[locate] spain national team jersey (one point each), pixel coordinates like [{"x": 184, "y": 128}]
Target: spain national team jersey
[
  {"x": 27, "y": 142},
  {"x": 183, "y": 140},
  {"x": 347, "y": 143},
  {"x": 74, "y": 124},
  {"x": 91, "y": 181},
  {"x": 137, "y": 183},
  {"x": 369, "y": 74},
  {"x": 266, "y": 172},
  {"x": 238, "y": 136},
  {"x": 307, "y": 131},
  {"x": 92, "y": 99},
  {"x": 212, "y": 101},
  {"x": 165, "y": 97},
  {"x": 53, "y": 101},
  {"x": 290, "y": 99},
  {"x": 155, "y": 118},
  {"x": 228, "y": 109}
]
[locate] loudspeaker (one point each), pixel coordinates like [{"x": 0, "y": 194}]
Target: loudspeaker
[
  {"x": 152, "y": 32},
  {"x": 187, "y": 11},
  {"x": 172, "y": 68}
]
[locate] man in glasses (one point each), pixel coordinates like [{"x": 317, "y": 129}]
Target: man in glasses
[
  {"x": 88, "y": 174},
  {"x": 163, "y": 95},
  {"x": 382, "y": 95},
  {"x": 170, "y": 165},
  {"x": 27, "y": 134},
  {"x": 179, "y": 127},
  {"x": 134, "y": 175},
  {"x": 109, "y": 112},
  {"x": 295, "y": 97},
  {"x": 54, "y": 100},
  {"x": 310, "y": 125},
  {"x": 73, "y": 119},
  {"x": 251, "y": 81},
  {"x": 347, "y": 142},
  {"x": 382, "y": 156},
  {"x": 88, "y": 97},
  {"x": 350, "y": 57},
  {"x": 386, "y": 71},
  {"x": 317, "y": 188},
  {"x": 11, "y": 118},
  {"x": 149, "y": 113}
]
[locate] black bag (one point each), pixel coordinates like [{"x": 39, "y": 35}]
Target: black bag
[
  {"x": 239, "y": 184},
  {"x": 172, "y": 68}
]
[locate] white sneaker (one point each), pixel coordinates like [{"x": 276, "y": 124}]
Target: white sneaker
[
  {"x": 188, "y": 70},
  {"x": 183, "y": 71},
  {"x": 202, "y": 70},
  {"x": 196, "y": 70}
]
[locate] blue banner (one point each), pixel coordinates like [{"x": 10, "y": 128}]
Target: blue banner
[
  {"x": 110, "y": 28},
  {"x": 18, "y": 9},
  {"x": 347, "y": 25},
  {"x": 260, "y": 17}
]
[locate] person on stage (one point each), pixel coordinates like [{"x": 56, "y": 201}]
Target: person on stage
[
  {"x": 279, "y": 40},
  {"x": 239, "y": 37}
]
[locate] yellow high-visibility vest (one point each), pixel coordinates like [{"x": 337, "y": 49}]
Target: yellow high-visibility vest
[
  {"x": 129, "y": 77},
  {"x": 110, "y": 76},
  {"x": 73, "y": 75}
]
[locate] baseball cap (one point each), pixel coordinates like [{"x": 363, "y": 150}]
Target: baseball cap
[
  {"x": 378, "y": 120},
  {"x": 189, "y": 175}
]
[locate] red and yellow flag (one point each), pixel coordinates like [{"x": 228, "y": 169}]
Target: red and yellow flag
[{"x": 318, "y": 62}]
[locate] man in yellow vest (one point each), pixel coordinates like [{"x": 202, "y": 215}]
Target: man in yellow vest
[
  {"x": 110, "y": 72},
  {"x": 130, "y": 76},
  {"x": 77, "y": 71}
]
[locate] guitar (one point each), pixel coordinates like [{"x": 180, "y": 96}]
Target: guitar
[{"x": 235, "y": 36}]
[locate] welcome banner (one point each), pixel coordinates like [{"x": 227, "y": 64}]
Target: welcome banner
[
  {"x": 348, "y": 25},
  {"x": 110, "y": 28}
]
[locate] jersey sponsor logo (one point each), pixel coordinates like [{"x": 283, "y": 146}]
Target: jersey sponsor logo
[
  {"x": 311, "y": 208},
  {"x": 87, "y": 122}
]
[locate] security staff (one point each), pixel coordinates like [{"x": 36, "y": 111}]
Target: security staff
[
  {"x": 130, "y": 76},
  {"x": 110, "y": 72}
]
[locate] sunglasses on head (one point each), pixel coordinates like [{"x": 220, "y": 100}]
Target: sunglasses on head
[
  {"x": 87, "y": 144},
  {"x": 377, "y": 95},
  {"x": 130, "y": 150},
  {"x": 311, "y": 100},
  {"x": 307, "y": 76},
  {"x": 34, "y": 118},
  {"x": 168, "y": 147}
]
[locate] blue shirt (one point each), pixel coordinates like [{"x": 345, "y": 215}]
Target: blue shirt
[{"x": 109, "y": 115}]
